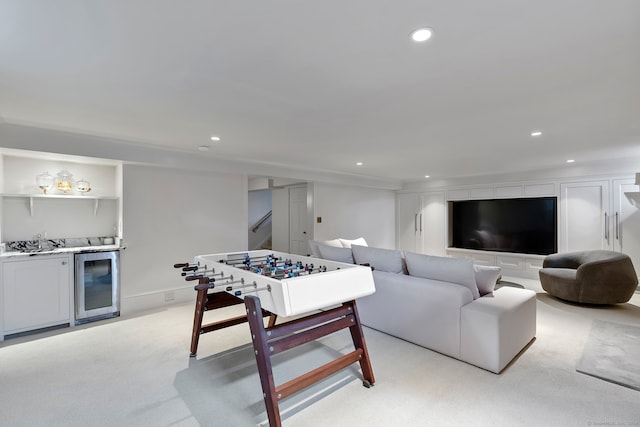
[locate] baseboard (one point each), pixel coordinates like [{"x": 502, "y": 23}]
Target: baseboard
[{"x": 151, "y": 300}]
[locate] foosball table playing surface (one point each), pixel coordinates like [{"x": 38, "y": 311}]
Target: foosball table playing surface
[
  {"x": 320, "y": 294},
  {"x": 287, "y": 285}
]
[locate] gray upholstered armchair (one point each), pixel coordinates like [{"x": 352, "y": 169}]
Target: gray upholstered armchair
[{"x": 589, "y": 277}]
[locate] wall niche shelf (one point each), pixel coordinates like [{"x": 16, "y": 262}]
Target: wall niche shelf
[{"x": 31, "y": 197}]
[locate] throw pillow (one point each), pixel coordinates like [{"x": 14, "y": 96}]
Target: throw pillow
[
  {"x": 359, "y": 241},
  {"x": 454, "y": 270},
  {"x": 486, "y": 278},
  {"x": 380, "y": 259},
  {"x": 313, "y": 246},
  {"x": 334, "y": 253}
]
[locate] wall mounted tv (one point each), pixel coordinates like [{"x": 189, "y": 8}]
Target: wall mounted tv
[{"x": 523, "y": 225}]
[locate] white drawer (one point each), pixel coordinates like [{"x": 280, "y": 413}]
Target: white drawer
[{"x": 510, "y": 263}]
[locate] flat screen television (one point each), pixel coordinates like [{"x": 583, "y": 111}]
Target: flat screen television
[{"x": 523, "y": 225}]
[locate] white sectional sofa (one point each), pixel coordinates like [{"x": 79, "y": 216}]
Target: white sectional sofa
[{"x": 444, "y": 304}]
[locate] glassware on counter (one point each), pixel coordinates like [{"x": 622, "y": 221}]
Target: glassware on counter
[
  {"x": 45, "y": 182},
  {"x": 83, "y": 186},
  {"x": 64, "y": 182}
]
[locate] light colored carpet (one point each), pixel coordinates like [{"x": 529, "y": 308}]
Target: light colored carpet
[
  {"x": 239, "y": 400},
  {"x": 135, "y": 371},
  {"x": 613, "y": 354}
]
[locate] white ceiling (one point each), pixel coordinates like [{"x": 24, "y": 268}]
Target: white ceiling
[{"x": 321, "y": 85}]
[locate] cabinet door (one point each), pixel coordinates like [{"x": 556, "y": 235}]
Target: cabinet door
[
  {"x": 36, "y": 293},
  {"x": 626, "y": 220},
  {"x": 408, "y": 222},
  {"x": 433, "y": 224},
  {"x": 585, "y": 218}
]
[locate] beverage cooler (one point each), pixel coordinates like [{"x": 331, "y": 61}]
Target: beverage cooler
[{"x": 97, "y": 285}]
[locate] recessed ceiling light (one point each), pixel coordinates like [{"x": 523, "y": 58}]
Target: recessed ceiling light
[
  {"x": 570, "y": 161},
  {"x": 421, "y": 34},
  {"x": 215, "y": 138},
  {"x": 536, "y": 133},
  {"x": 359, "y": 164},
  {"x": 203, "y": 148},
  {"x": 427, "y": 176}
]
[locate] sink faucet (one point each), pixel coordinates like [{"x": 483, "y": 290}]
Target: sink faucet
[{"x": 41, "y": 241}]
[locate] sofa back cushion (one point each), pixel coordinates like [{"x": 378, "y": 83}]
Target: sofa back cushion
[
  {"x": 313, "y": 246},
  {"x": 359, "y": 241},
  {"x": 454, "y": 270},
  {"x": 335, "y": 254},
  {"x": 486, "y": 278},
  {"x": 380, "y": 259}
]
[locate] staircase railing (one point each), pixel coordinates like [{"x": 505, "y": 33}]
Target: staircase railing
[{"x": 261, "y": 221}]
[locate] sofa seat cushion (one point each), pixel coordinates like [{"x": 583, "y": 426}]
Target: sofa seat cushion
[
  {"x": 495, "y": 328},
  {"x": 560, "y": 282},
  {"x": 422, "y": 311},
  {"x": 446, "y": 269}
]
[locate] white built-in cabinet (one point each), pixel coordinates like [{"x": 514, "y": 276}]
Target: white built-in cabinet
[
  {"x": 421, "y": 222},
  {"x": 585, "y": 209},
  {"x": 35, "y": 292},
  {"x": 602, "y": 214}
]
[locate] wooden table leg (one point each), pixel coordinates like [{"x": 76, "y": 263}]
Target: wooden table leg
[
  {"x": 211, "y": 301},
  {"x": 357, "y": 336},
  {"x": 201, "y": 302},
  {"x": 263, "y": 359},
  {"x": 276, "y": 339}
]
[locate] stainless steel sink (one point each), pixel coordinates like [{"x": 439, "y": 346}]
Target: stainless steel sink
[{"x": 34, "y": 250}]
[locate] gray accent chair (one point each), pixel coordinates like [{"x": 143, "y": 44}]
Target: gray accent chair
[{"x": 589, "y": 277}]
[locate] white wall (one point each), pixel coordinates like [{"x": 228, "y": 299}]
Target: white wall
[
  {"x": 171, "y": 215},
  {"x": 350, "y": 212},
  {"x": 58, "y": 218}
]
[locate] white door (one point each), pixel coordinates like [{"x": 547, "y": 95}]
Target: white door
[
  {"x": 433, "y": 224},
  {"x": 585, "y": 219},
  {"x": 298, "y": 240},
  {"x": 408, "y": 222},
  {"x": 626, "y": 220}
]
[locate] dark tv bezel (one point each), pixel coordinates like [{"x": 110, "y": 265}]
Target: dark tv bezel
[{"x": 555, "y": 224}]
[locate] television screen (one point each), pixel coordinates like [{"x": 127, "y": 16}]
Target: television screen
[{"x": 526, "y": 225}]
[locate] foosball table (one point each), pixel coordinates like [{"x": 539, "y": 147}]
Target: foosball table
[{"x": 319, "y": 294}]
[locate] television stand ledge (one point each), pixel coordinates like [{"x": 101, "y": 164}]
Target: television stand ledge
[{"x": 512, "y": 264}]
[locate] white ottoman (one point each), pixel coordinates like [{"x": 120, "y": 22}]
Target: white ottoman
[{"x": 494, "y": 329}]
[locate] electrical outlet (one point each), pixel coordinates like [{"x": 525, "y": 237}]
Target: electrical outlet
[{"x": 319, "y": 219}]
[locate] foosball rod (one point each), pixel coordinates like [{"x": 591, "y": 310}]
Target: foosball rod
[
  {"x": 254, "y": 262},
  {"x": 202, "y": 271},
  {"x": 211, "y": 278},
  {"x": 233, "y": 288},
  {"x": 248, "y": 258},
  {"x": 186, "y": 267},
  {"x": 320, "y": 269},
  {"x": 250, "y": 291},
  {"x": 210, "y": 282}
]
